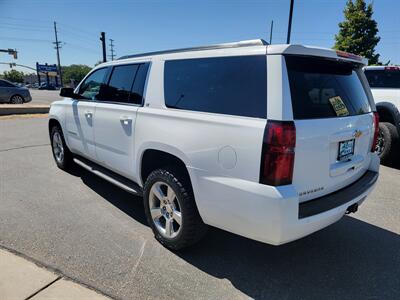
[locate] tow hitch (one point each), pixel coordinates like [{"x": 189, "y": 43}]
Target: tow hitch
[{"x": 352, "y": 208}]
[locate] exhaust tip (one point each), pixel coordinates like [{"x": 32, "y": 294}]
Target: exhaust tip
[{"x": 352, "y": 208}]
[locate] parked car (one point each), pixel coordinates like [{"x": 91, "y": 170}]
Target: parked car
[
  {"x": 385, "y": 86},
  {"x": 10, "y": 93},
  {"x": 271, "y": 142},
  {"x": 45, "y": 86}
]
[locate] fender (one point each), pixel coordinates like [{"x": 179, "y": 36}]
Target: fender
[
  {"x": 392, "y": 110},
  {"x": 161, "y": 147},
  {"x": 177, "y": 153},
  {"x": 57, "y": 112}
]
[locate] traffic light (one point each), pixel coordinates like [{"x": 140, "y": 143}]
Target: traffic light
[{"x": 13, "y": 52}]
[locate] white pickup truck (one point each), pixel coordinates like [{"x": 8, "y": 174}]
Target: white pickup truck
[
  {"x": 385, "y": 86},
  {"x": 272, "y": 142}
]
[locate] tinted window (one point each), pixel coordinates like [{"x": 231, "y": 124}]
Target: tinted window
[
  {"x": 227, "y": 85},
  {"x": 120, "y": 84},
  {"x": 90, "y": 88},
  {"x": 315, "y": 85},
  {"x": 138, "y": 85},
  {"x": 6, "y": 84},
  {"x": 383, "y": 78}
]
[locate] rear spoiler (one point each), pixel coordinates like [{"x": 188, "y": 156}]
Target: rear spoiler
[{"x": 316, "y": 51}]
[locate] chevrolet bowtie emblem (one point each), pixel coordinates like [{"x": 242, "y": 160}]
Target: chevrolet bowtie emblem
[{"x": 357, "y": 133}]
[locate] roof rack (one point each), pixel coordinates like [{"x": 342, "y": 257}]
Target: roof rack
[{"x": 248, "y": 43}]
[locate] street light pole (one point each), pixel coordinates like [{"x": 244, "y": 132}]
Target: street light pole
[
  {"x": 290, "y": 22},
  {"x": 103, "y": 45}
]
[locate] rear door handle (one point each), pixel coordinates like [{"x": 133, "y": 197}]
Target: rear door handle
[
  {"x": 88, "y": 114},
  {"x": 125, "y": 120}
]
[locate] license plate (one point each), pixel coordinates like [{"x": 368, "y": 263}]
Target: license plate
[{"x": 346, "y": 150}]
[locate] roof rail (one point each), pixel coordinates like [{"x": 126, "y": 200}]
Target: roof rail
[{"x": 248, "y": 43}]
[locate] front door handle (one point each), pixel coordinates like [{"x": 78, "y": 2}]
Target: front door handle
[
  {"x": 125, "y": 120},
  {"x": 88, "y": 114}
]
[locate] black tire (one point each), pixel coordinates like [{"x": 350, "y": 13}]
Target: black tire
[
  {"x": 17, "y": 99},
  {"x": 66, "y": 161},
  {"x": 192, "y": 228},
  {"x": 388, "y": 140}
]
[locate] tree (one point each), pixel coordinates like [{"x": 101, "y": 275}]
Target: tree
[
  {"x": 358, "y": 32},
  {"x": 74, "y": 73},
  {"x": 14, "y": 76}
]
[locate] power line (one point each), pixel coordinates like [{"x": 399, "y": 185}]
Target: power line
[{"x": 23, "y": 39}]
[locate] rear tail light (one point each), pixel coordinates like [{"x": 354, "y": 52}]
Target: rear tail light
[
  {"x": 376, "y": 131},
  {"x": 392, "y": 68},
  {"x": 277, "y": 159},
  {"x": 348, "y": 55}
]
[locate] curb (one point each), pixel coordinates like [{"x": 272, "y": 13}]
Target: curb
[
  {"x": 57, "y": 272},
  {"x": 20, "y": 109}
]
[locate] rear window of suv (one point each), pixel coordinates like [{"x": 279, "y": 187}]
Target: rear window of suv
[
  {"x": 226, "y": 85},
  {"x": 383, "y": 78},
  {"x": 317, "y": 85}
]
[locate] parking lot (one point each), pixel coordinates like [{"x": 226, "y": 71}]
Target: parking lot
[
  {"x": 44, "y": 96},
  {"x": 96, "y": 234}
]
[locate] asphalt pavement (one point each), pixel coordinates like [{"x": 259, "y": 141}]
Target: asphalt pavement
[
  {"x": 96, "y": 234},
  {"x": 44, "y": 96}
]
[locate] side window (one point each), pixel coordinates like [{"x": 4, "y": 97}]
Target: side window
[
  {"x": 126, "y": 84},
  {"x": 90, "y": 88},
  {"x": 225, "y": 85},
  {"x": 5, "y": 84},
  {"x": 120, "y": 84},
  {"x": 138, "y": 86}
]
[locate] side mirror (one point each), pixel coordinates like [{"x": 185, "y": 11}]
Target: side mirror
[{"x": 67, "y": 92}]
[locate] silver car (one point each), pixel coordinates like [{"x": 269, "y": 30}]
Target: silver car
[{"x": 10, "y": 93}]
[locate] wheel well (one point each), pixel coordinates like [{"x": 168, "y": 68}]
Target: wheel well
[
  {"x": 155, "y": 159},
  {"x": 52, "y": 123},
  {"x": 385, "y": 115}
]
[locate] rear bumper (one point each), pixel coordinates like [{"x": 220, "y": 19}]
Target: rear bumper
[
  {"x": 338, "y": 198},
  {"x": 274, "y": 215}
]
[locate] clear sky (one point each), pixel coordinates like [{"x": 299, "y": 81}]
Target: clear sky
[{"x": 140, "y": 26}]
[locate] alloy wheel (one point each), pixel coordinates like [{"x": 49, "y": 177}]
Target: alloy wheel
[
  {"x": 58, "y": 148},
  {"x": 17, "y": 100},
  {"x": 165, "y": 209}
]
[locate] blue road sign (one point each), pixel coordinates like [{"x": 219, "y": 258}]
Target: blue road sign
[{"x": 46, "y": 68}]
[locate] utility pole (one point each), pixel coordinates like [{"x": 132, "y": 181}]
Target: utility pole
[
  {"x": 112, "y": 49},
  {"x": 103, "y": 44},
  {"x": 57, "y": 47},
  {"x": 270, "y": 33},
  {"x": 290, "y": 22}
]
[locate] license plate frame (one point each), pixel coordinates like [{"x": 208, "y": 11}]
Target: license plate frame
[{"x": 346, "y": 150}]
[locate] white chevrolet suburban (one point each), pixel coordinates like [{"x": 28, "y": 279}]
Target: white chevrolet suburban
[
  {"x": 385, "y": 87},
  {"x": 271, "y": 142}
]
